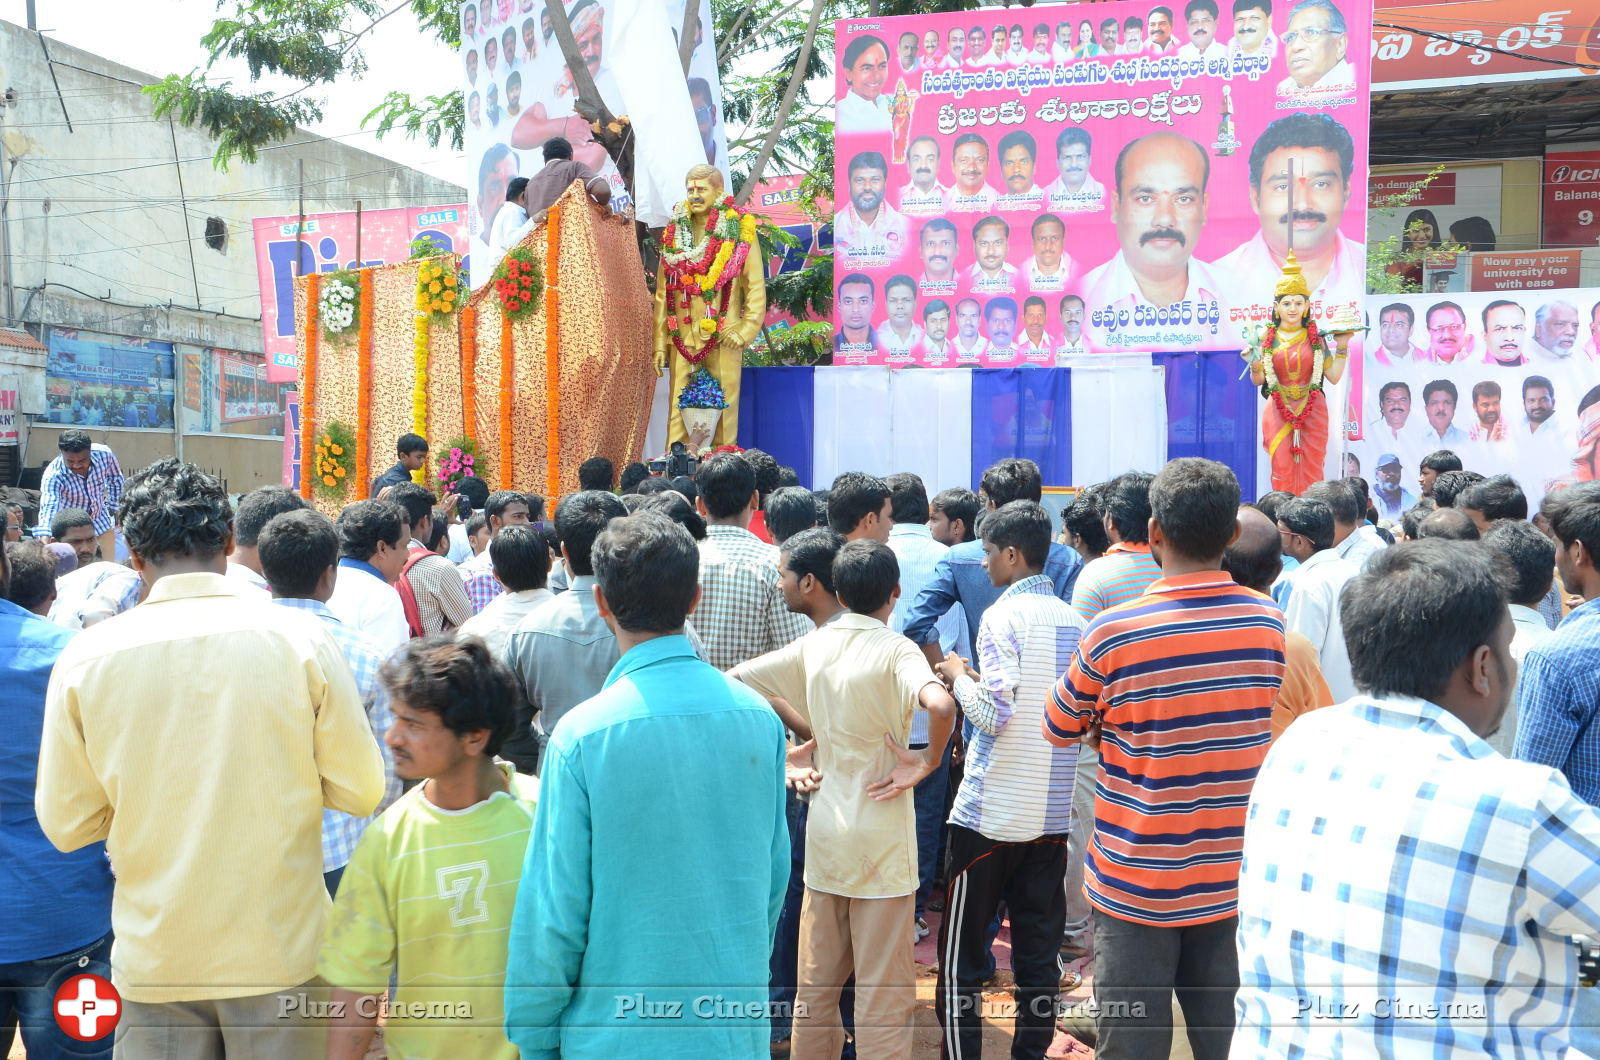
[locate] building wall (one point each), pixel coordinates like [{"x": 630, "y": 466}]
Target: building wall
[{"x": 108, "y": 209}]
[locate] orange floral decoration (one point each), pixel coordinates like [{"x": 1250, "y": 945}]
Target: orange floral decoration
[
  {"x": 308, "y": 385},
  {"x": 469, "y": 371},
  {"x": 507, "y": 356},
  {"x": 552, "y": 363},
  {"x": 364, "y": 387}
]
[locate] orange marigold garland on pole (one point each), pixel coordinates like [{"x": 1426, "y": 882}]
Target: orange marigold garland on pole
[
  {"x": 552, "y": 362},
  {"x": 364, "y": 388},
  {"x": 308, "y": 384},
  {"x": 469, "y": 371},
  {"x": 506, "y": 376}
]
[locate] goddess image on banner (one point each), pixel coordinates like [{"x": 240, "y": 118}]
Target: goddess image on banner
[{"x": 1022, "y": 192}]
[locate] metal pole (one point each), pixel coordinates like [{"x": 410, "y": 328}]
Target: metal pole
[
  {"x": 5, "y": 232},
  {"x": 183, "y": 200},
  {"x": 300, "y": 218},
  {"x": 33, "y": 16}
]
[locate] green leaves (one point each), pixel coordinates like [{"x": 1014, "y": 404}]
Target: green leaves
[
  {"x": 242, "y": 124},
  {"x": 436, "y": 119}
]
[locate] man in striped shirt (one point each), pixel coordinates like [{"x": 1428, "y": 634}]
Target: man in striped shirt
[
  {"x": 85, "y": 475},
  {"x": 1178, "y": 687},
  {"x": 1008, "y": 828}
]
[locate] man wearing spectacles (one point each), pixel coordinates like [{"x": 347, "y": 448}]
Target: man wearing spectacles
[
  {"x": 1314, "y": 49},
  {"x": 705, "y": 116}
]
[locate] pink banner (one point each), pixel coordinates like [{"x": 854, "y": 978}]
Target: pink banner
[
  {"x": 1016, "y": 188},
  {"x": 328, "y": 243}
]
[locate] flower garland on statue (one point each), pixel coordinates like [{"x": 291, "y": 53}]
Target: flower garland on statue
[
  {"x": 338, "y": 307},
  {"x": 331, "y": 474},
  {"x": 697, "y": 269},
  {"x": 1273, "y": 389}
]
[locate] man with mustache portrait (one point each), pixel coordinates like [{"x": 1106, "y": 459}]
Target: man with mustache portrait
[
  {"x": 924, "y": 195},
  {"x": 938, "y": 242},
  {"x": 868, "y": 231},
  {"x": 992, "y": 273},
  {"x": 969, "y": 159},
  {"x": 1323, "y": 154},
  {"x": 1160, "y": 211},
  {"x": 1074, "y": 189}
]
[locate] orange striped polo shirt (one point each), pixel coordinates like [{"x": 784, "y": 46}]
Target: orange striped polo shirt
[{"x": 1183, "y": 681}]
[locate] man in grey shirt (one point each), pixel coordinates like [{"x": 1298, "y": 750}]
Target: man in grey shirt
[{"x": 563, "y": 651}]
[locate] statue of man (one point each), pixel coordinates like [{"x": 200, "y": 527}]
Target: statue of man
[{"x": 733, "y": 295}]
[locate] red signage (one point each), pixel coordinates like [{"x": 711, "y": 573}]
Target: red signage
[
  {"x": 1523, "y": 270},
  {"x": 1571, "y": 199},
  {"x": 1404, "y": 59},
  {"x": 1441, "y": 191}
]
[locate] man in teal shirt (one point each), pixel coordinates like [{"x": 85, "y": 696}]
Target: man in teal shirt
[{"x": 660, "y": 851}]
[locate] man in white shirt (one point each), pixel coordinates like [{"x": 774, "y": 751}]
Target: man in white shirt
[
  {"x": 1000, "y": 320},
  {"x": 1160, "y": 212},
  {"x": 1074, "y": 189},
  {"x": 1041, "y": 44},
  {"x": 992, "y": 273},
  {"x": 1072, "y": 342},
  {"x": 899, "y": 333},
  {"x": 1439, "y": 398},
  {"x": 864, "y": 107},
  {"x": 1395, "y": 323},
  {"x": 1322, "y": 155},
  {"x": 931, "y": 59},
  {"x": 969, "y": 158},
  {"x": 1161, "y": 39},
  {"x": 1542, "y": 438},
  {"x": 997, "y": 50},
  {"x": 372, "y": 551},
  {"x": 1110, "y": 36},
  {"x": 1312, "y": 609},
  {"x": 511, "y": 217},
  {"x": 1391, "y": 499},
  {"x": 255, "y": 511},
  {"x": 1314, "y": 46},
  {"x": 868, "y": 232},
  {"x": 1555, "y": 333},
  {"x": 1252, "y": 30},
  {"x": 1390, "y": 430},
  {"x": 956, "y": 53},
  {"x": 977, "y": 48},
  {"x": 1035, "y": 343},
  {"x": 521, "y": 563},
  {"x": 1132, "y": 36},
  {"x": 1201, "y": 16},
  {"x": 1018, "y": 52},
  {"x": 1062, "y": 51},
  {"x": 935, "y": 349},
  {"x": 1354, "y": 538},
  {"x": 937, "y": 243},
  {"x": 970, "y": 345},
  {"x": 1050, "y": 269},
  {"x": 910, "y": 57},
  {"x": 923, "y": 194},
  {"x": 1018, "y": 149}
]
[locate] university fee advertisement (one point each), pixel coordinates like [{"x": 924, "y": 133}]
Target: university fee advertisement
[{"x": 1018, "y": 188}]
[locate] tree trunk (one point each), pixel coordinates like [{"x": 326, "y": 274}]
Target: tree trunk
[
  {"x": 691, "y": 27},
  {"x": 784, "y": 108},
  {"x": 611, "y": 132}
]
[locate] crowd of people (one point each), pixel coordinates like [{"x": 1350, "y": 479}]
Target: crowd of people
[{"x": 686, "y": 767}]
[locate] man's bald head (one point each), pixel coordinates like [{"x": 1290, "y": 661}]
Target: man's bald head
[
  {"x": 1256, "y": 559},
  {"x": 1452, "y": 524}
]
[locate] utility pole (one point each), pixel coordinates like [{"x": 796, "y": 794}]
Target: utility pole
[{"x": 5, "y": 230}]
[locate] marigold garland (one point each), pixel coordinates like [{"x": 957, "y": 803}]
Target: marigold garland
[
  {"x": 419, "y": 387},
  {"x": 331, "y": 473},
  {"x": 698, "y": 269},
  {"x": 552, "y": 360},
  {"x": 308, "y": 386},
  {"x": 517, "y": 281},
  {"x": 506, "y": 369},
  {"x": 469, "y": 369},
  {"x": 364, "y": 387},
  {"x": 436, "y": 288}
]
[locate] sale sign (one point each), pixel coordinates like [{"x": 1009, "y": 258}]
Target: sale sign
[
  {"x": 326, "y": 242},
  {"x": 1571, "y": 199},
  {"x": 1018, "y": 191}
]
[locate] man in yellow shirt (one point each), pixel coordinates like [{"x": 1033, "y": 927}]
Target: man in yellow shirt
[
  {"x": 200, "y": 735},
  {"x": 428, "y": 894}
]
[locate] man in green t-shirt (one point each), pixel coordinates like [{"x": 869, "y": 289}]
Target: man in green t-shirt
[{"x": 428, "y": 894}]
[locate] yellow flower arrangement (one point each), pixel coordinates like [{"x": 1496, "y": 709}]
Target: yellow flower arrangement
[
  {"x": 328, "y": 472},
  {"x": 419, "y": 383},
  {"x": 437, "y": 287}
]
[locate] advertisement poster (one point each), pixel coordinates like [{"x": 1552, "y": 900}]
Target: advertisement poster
[
  {"x": 1520, "y": 34},
  {"x": 519, "y": 94},
  {"x": 327, "y": 243},
  {"x": 1570, "y": 212},
  {"x": 8, "y": 410},
  {"x": 1019, "y": 188},
  {"x": 107, "y": 381},
  {"x": 1510, "y": 382}
]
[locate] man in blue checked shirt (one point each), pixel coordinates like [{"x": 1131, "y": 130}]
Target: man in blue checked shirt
[
  {"x": 299, "y": 553},
  {"x": 85, "y": 475},
  {"x": 1559, "y": 691},
  {"x": 1407, "y": 891}
]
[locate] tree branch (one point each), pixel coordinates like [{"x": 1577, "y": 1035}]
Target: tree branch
[
  {"x": 733, "y": 32},
  {"x": 782, "y": 116},
  {"x": 691, "y": 27},
  {"x": 722, "y": 53}
]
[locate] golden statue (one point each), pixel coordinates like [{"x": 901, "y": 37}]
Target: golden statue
[{"x": 711, "y": 297}]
